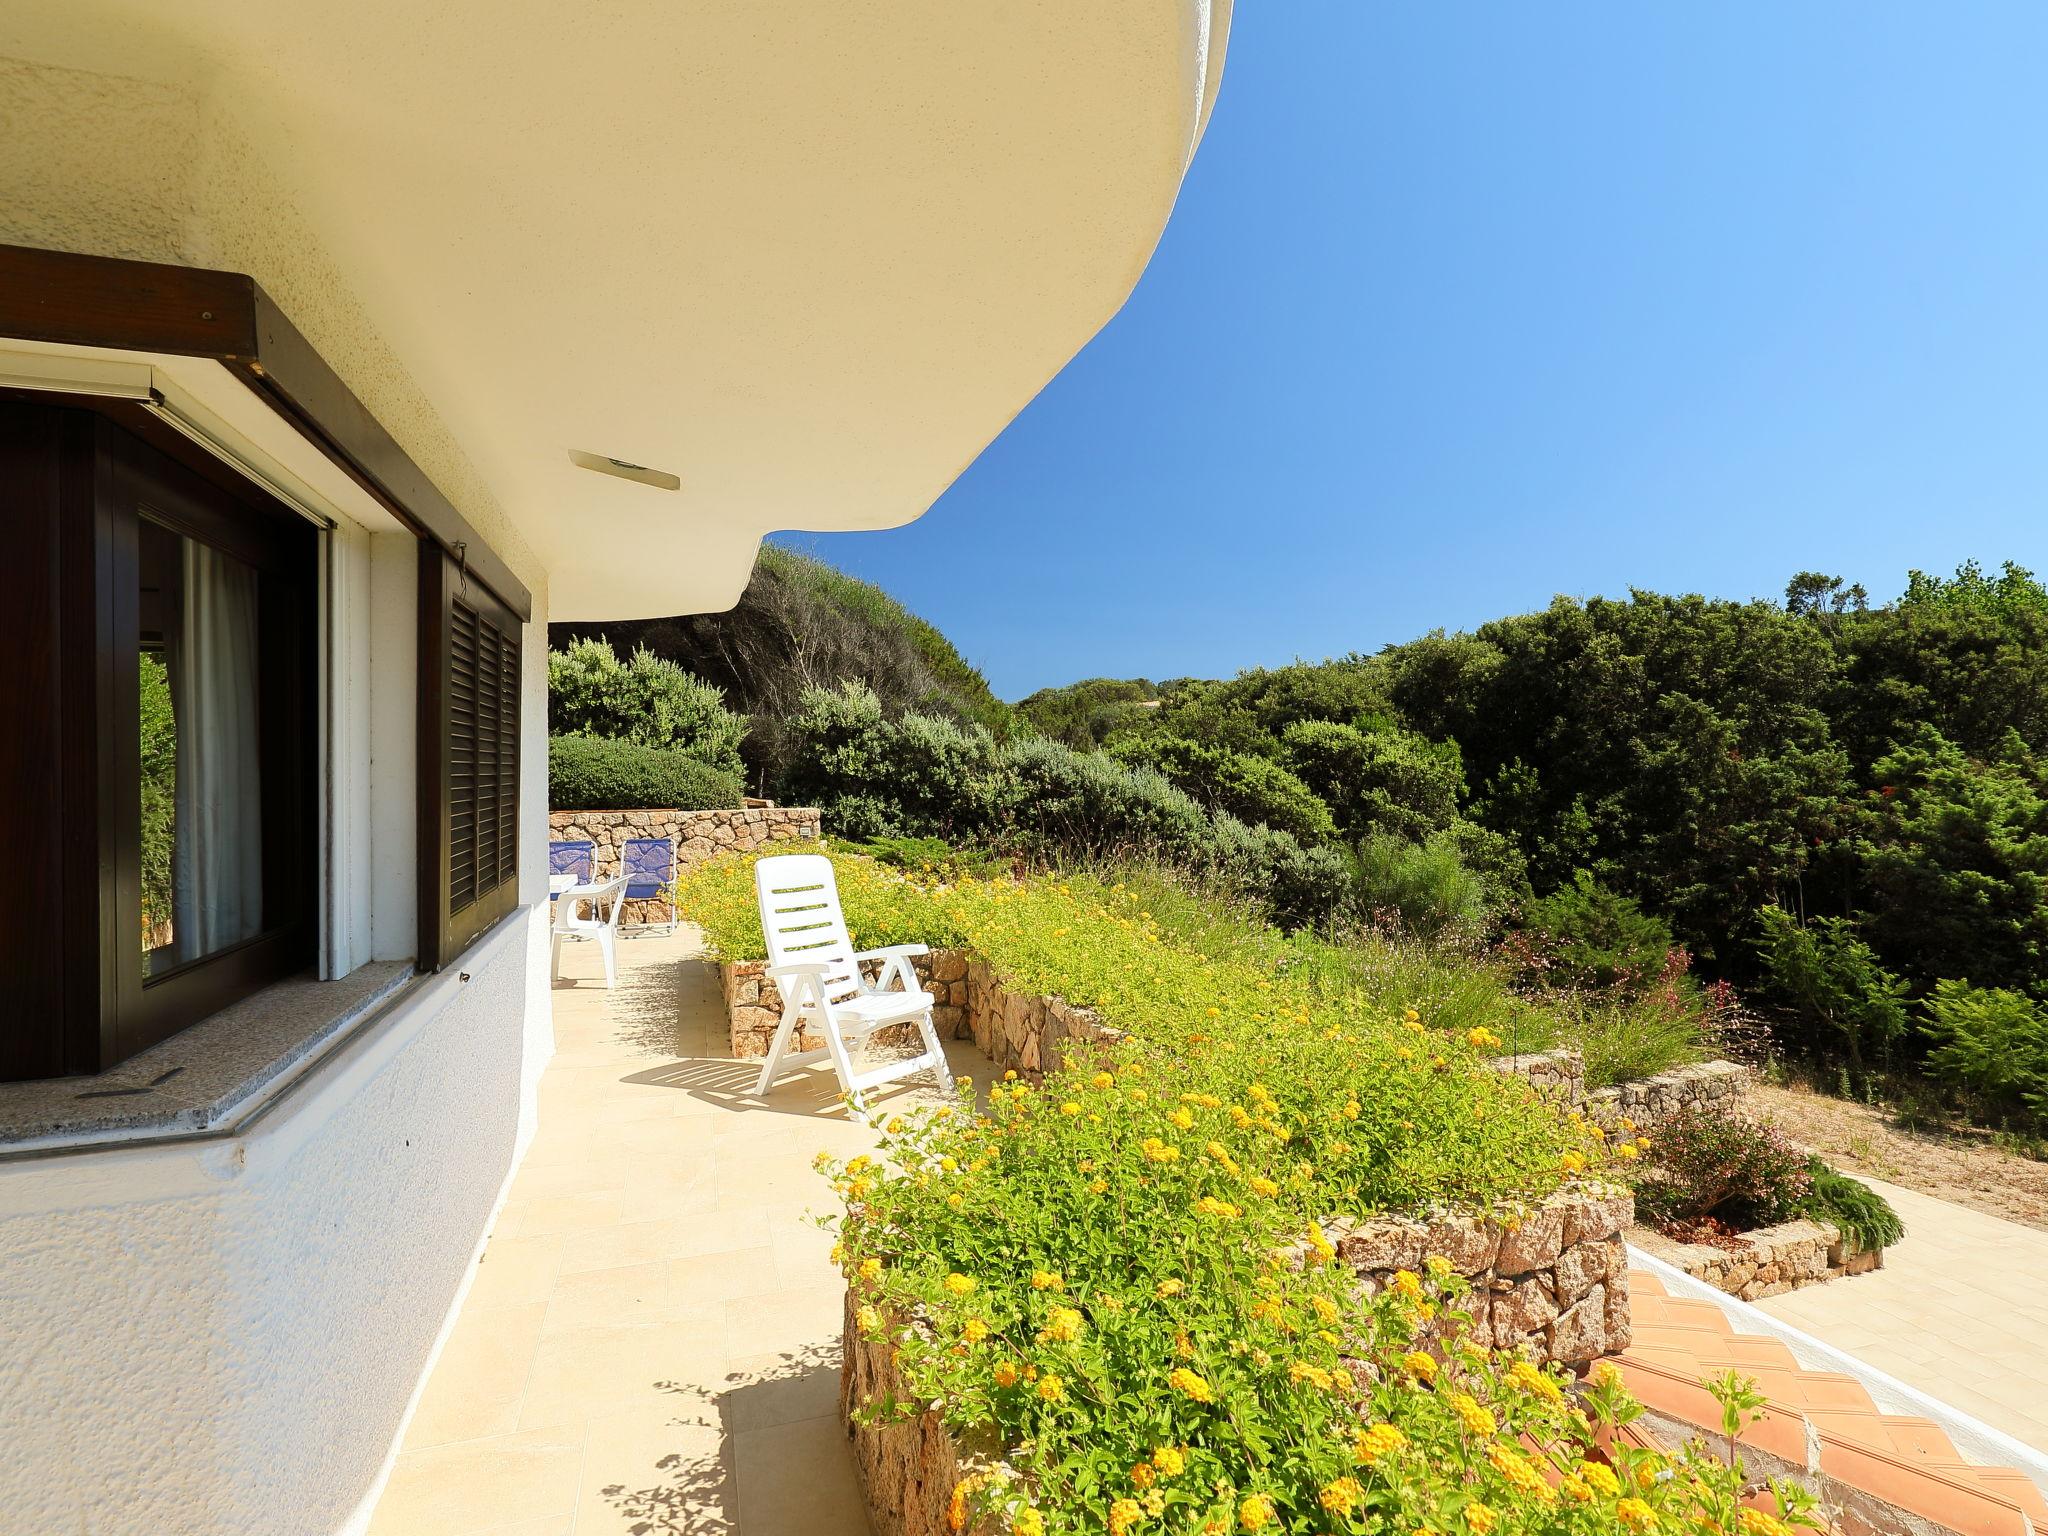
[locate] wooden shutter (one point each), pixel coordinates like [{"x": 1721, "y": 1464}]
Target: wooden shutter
[{"x": 469, "y": 740}]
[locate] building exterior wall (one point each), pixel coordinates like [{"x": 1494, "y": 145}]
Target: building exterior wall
[{"x": 224, "y": 1335}]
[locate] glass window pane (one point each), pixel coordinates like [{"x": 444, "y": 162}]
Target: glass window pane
[{"x": 202, "y": 801}]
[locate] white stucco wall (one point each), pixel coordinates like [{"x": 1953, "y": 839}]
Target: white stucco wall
[{"x": 223, "y": 1336}]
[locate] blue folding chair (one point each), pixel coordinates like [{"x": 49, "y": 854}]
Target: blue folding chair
[
  {"x": 649, "y": 865},
  {"x": 572, "y": 857}
]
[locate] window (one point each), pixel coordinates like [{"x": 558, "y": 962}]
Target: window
[
  {"x": 469, "y": 726},
  {"x": 161, "y": 737}
]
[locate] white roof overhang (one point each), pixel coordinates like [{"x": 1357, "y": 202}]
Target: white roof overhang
[{"x": 806, "y": 258}]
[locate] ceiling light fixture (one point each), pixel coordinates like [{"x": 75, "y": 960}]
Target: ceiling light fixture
[{"x": 624, "y": 469}]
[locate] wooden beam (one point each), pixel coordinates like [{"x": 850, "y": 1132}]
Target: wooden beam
[{"x": 146, "y": 306}]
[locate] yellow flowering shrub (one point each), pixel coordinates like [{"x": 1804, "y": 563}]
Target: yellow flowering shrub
[{"x": 1119, "y": 1274}]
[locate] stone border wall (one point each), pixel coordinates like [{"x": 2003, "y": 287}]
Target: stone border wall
[
  {"x": 1770, "y": 1260},
  {"x": 1647, "y": 1102},
  {"x": 697, "y": 836},
  {"x": 1553, "y": 1284}
]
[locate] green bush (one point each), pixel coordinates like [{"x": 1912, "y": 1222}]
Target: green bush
[
  {"x": 1386, "y": 781},
  {"x": 1833, "y": 982},
  {"x": 1589, "y": 936},
  {"x": 1087, "y": 805},
  {"x": 1716, "y": 1164},
  {"x": 1952, "y": 857},
  {"x": 873, "y": 776},
  {"x": 1298, "y": 887},
  {"x": 1256, "y": 790},
  {"x": 1423, "y": 888},
  {"x": 643, "y": 700},
  {"x": 1859, "y": 1212},
  {"x": 1990, "y": 1044},
  {"x": 594, "y": 773}
]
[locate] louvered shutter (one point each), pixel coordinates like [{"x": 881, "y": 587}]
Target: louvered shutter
[{"x": 469, "y": 798}]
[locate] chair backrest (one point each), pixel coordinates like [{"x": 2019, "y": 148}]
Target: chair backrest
[
  {"x": 573, "y": 856},
  {"x": 606, "y": 901},
  {"x": 801, "y": 920},
  {"x": 649, "y": 863}
]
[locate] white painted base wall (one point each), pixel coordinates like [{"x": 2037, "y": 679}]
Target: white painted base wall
[{"x": 225, "y": 1336}]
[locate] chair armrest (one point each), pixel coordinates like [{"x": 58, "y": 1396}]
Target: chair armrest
[
  {"x": 894, "y": 951},
  {"x": 797, "y": 968}
]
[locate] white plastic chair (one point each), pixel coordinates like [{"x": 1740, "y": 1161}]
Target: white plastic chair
[
  {"x": 607, "y": 900},
  {"x": 813, "y": 962}
]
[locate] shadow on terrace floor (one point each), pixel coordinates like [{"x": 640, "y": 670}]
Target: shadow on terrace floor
[{"x": 650, "y": 1343}]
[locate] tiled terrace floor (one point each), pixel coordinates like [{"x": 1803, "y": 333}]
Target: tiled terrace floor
[
  {"x": 1960, "y": 1310},
  {"x": 651, "y": 1341}
]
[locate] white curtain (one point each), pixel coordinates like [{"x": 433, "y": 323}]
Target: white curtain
[{"x": 218, "y": 866}]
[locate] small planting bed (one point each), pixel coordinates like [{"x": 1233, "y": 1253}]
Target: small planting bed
[{"x": 1733, "y": 1202}]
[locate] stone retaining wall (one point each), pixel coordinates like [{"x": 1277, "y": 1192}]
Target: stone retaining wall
[
  {"x": 908, "y": 1464},
  {"x": 1770, "y": 1260},
  {"x": 697, "y": 836},
  {"x": 1554, "y": 1284},
  {"x": 1650, "y": 1101},
  {"x": 1647, "y": 1102}
]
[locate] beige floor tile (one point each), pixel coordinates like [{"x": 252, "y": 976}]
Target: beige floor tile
[
  {"x": 705, "y": 1282},
  {"x": 650, "y": 1342},
  {"x": 457, "y": 1490},
  {"x": 580, "y": 1212},
  {"x": 656, "y": 1472},
  {"x": 480, "y": 1377},
  {"x": 598, "y": 1298},
  {"x": 797, "y": 1318},
  {"x": 763, "y": 1391},
  {"x": 592, "y": 1371},
  {"x": 824, "y": 1501},
  {"x": 514, "y": 1271}
]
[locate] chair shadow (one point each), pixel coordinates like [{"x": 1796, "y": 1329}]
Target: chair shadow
[{"x": 695, "y": 1495}]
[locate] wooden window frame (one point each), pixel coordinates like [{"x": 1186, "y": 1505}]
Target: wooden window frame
[{"x": 111, "y": 467}]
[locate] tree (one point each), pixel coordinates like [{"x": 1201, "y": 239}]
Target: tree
[
  {"x": 1811, "y": 594},
  {"x": 1950, "y": 858},
  {"x": 1386, "y": 781},
  {"x": 1833, "y": 981}
]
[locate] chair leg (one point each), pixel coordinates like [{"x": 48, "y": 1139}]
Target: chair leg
[
  {"x": 938, "y": 1053},
  {"x": 842, "y": 1063},
  {"x": 555, "y": 960},
  {"x": 792, "y": 1012},
  {"x": 606, "y": 943}
]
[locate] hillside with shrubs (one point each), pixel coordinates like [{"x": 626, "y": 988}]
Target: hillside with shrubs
[{"x": 1817, "y": 827}]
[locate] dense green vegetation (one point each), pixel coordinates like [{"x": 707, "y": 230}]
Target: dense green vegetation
[
  {"x": 802, "y": 624},
  {"x": 1841, "y": 808},
  {"x": 635, "y": 734},
  {"x": 1837, "y": 808},
  {"x": 596, "y": 773}
]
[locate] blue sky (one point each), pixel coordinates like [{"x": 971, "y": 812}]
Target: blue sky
[{"x": 1465, "y": 306}]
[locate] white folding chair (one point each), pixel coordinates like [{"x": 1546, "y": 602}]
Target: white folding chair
[
  {"x": 607, "y": 900},
  {"x": 814, "y": 963}
]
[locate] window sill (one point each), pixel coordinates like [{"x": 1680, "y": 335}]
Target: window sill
[{"x": 201, "y": 1079}]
